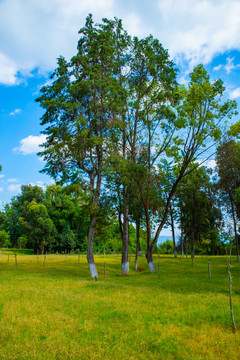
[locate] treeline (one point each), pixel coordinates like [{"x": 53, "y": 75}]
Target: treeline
[
  {"x": 205, "y": 210},
  {"x": 57, "y": 220}
]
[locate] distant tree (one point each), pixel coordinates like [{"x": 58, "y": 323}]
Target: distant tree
[
  {"x": 4, "y": 239},
  {"x": 228, "y": 167},
  {"x": 166, "y": 247},
  {"x": 21, "y": 242},
  {"x": 38, "y": 227},
  {"x": 198, "y": 211},
  {"x": 69, "y": 209},
  {"x": 68, "y": 239},
  {"x": 17, "y": 208}
]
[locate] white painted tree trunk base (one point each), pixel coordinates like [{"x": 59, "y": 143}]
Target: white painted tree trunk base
[
  {"x": 93, "y": 270},
  {"x": 151, "y": 266},
  {"x": 139, "y": 253},
  {"x": 136, "y": 264},
  {"x": 125, "y": 268},
  {"x": 175, "y": 254}
]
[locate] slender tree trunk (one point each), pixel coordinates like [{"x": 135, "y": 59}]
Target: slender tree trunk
[
  {"x": 137, "y": 242},
  {"x": 125, "y": 263},
  {"x": 173, "y": 233},
  {"x": 186, "y": 247},
  {"x": 90, "y": 258},
  {"x": 235, "y": 229},
  {"x": 192, "y": 241},
  {"x": 93, "y": 217},
  {"x": 149, "y": 253},
  {"x": 182, "y": 241},
  {"x": 120, "y": 223},
  {"x": 166, "y": 210}
]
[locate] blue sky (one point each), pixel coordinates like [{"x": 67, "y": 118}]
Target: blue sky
[{"x": 34, "y": 33}]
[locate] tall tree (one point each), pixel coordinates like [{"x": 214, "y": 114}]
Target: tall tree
[
  {"x": 81, "y": 113},
  {"x": 200, "y": 114}
]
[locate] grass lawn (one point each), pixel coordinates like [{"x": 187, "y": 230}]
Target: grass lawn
[{"x": 57, "y": 311}]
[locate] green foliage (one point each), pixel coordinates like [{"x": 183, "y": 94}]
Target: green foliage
[
  {"x": 166, "y": 247},
  {"x": 198, "y": 211},
  {"x": 22, "y": 241},
  {"x": 4, "y": 239}
]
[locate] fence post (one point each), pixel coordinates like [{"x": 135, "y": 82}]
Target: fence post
[
  {"x": 105, "y": 269},
  {"x": 209, "y": 269}
]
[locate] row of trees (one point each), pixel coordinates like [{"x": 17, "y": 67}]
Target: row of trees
[
  {"x": 122, "y": 130},
  {"x": 117, "y": 121},
  {"x": 57, "y": 219}
]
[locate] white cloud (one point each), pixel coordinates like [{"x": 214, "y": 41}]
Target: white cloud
[
  {"x": 34, "y": 33},
  {"x": 15, "y": 112},
  {"x": 230, "y": 65},
  {"x": 8, "y": 70},
  {"x": 2, "y": 176},
  {"x": 216, "y": 68},
  {"x": 235, "y": 94},
  {"x": 11, "y": 180},
  {"x": 15, "y": 188},
  {"x": 1, "y": 189},
  {"x": 198, "y": 30},
  {"x": 133, "y": 24},
  {"x": 30, "y": 144},
  {"x": 211, "y": 164}
]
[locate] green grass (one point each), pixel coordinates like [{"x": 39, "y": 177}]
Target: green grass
[
  {"x": 59, "y": 312},
  {"x": 16, "y": 251}
]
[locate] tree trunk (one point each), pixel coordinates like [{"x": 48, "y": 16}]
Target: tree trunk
[
  {"x": 90, "y": 258},
  {"x": 182, "y": 240},
  {"x": 173, "y": 233},
  {"x": 125, "y": 263},
  {"x": 192, "y": 241},
  {"x": 235, "y": 229},
  {"x": 150, "y": 261},
  {"x": 137, "y": 242},
  {"x": 149, "y": 253},
  {"x": 186, "y": 247}
]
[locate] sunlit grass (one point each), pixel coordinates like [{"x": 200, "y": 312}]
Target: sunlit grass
[{"x": 57, "y": 311}]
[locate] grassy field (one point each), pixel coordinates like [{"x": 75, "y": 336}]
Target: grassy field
[{"x": 57, "y": 311}]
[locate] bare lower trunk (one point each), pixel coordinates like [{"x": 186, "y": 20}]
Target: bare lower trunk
[
  {"x": 235, "y": 230},
  {"x": 192, "y": 242},
  {"x": 186, "y": 247},
  {"x": 149, "y": 253},
  {"x": 137, "y": 243},
  {"x": 125, "y": 263},
  {"x": 150, "y": 261},
  {"x": 90, "y": 258},
  {"x": 173, "y": 234}
]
